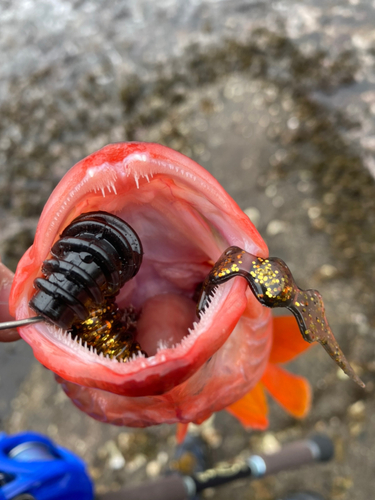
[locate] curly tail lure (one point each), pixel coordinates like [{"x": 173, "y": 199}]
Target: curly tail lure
[{"x": 273, "y": 285}]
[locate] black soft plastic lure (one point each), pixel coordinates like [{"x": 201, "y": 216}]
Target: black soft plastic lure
[
  {"x": 94, "y": 257},
  {"x": 273, "y": 285}
]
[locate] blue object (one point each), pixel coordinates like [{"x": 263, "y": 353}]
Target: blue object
[{"x": 31, "y": 463}]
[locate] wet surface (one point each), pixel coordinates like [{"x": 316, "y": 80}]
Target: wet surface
[{"x": 277, "y": 102}]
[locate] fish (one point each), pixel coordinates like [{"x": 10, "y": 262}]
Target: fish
[{"x": 227, "y": 358}]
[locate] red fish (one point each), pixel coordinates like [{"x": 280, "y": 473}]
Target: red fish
[{"x": 185, "y": 220}]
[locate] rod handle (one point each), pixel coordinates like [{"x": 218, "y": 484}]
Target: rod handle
[
  {"x": 171, "y": 487},
  {"x": 318, "y": 448}
]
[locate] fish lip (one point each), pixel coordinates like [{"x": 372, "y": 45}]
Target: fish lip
[{"x": 169, "y": 367}]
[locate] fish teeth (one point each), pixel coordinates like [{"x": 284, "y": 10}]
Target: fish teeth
[
  {"x": 205, "y": 316},
  {"x": 161, "y": 345},
  {"x": 188, "y": 339},
  {"x": 214, "y": 298},
  {"x": 136, "y": 178}
]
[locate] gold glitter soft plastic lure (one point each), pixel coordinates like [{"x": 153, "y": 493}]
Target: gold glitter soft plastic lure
[
  {"x": 110, "y": 331},
  {"x": 273, "y": 285}
]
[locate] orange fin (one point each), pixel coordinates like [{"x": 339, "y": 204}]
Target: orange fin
[
  {"x": 181, "y": 432},
  {"x": 287, "y": 340},
  {"x": 293, "y": 393},
  {"x": 252, "y": 409}
]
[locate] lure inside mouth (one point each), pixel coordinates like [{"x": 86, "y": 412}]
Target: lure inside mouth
[
  {"x": 182, "y": 233},
  {"x": 185, "y": 220},
  {"x": 155, "y": 309}
]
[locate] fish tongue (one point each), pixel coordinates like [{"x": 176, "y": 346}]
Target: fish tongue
[{"x": 164, "y": 321}]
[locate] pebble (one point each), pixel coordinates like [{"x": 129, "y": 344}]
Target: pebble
[
  {"x": 138, "y": 461},
  {"x": 276, "y": 227},
  {"x": 328, "y": 271},
  {"x": 269, "y": 443},
  {"x": 116, "y": 462},
  {"x": 253, "y": 214},
  {"x": 357, "y": 410},
  {"x": 153, "y": 468}
]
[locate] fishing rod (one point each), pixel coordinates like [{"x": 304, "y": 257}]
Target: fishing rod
[
  {"x": 31, "y": 467},
  {"x": 318, "y": 448}
]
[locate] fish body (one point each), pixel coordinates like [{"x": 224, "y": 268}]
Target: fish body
[{"x": 195, "y": 366}]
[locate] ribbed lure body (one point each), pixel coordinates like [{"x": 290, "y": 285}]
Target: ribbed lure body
[{"x": 92, "y": 260}]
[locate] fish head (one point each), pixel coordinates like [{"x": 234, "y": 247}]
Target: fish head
[{"x": 185, "y": 220}]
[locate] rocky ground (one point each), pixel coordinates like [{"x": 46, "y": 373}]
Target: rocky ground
[{"x": 277, "y": 103}]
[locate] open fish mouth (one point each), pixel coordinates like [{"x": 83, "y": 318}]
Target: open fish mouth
[{"x": 184, "y": 220}]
